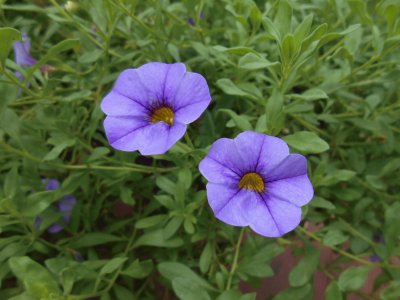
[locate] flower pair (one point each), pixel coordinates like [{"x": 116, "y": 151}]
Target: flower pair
[{"x": 253, "y": 180}]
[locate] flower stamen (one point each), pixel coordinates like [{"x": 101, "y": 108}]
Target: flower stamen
[
  {"x": 252, "y": 181},
  {"x": 162, "y": 114}
]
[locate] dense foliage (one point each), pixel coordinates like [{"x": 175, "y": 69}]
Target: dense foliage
[{"x": 322, "y": 75}]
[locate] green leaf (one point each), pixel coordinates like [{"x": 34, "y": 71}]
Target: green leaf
[
  {"x": 56, "y": 151},
  {"x": 205, "y": 258},
  {"x": 93, "y": 239},
  {"x": 38, "y": 282},
  {"x": 334, "y": 237},
  {"x": 274, "y": 112},
  {"x": 332, "y": 292},
  {"x": 302, "y": 30},
  {"x": 139, "y": 269},
  {"x": 303, "y": 271},
  {"x": 166, "y": 185},
  {"x": 322, "y": 203},
  {"x": 283, "y": 18},
  {"x": 299, "y": 293},
  {"x": 174, "y": 270},
  {"x": 251, "y": 61},
  {"x": 185, "y": 289},
  {"x": 354, "y": 278},
  {"x": 7, "y": 37},
  {"x": 157, "y": 239},
  {"x": 240, "y": 122},
  {"x": 11, "y": 183},
  {"x": 112, "y": 265},
  {"x": 311, "y": 95},
  {"x": 150, "y": 221},
  {"x": 392, "y": 292},
  {"x": 306, "y": 142},
  {"x": 228, "y": 87}
]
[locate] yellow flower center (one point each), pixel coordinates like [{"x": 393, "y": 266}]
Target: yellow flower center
[
  {"x": 252, "y": 181},
  {"x": 163, "y": 114}
]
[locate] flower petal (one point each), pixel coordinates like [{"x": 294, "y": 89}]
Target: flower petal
[
  {"x": 250, "y": 146},
  {"x": 192, "y": 98},
  {"x": 128, "y": 84},
  {"x": 161, "y": 80},
  {"x": 51, "y": 184},
  {"x": 292, "y": 166},
  {"x": 119, "y": 131},
  {"x": 272, "y": 152},
  {"x": 222, "y": 163},
  {"x": 296, "y": 190},
  {"x": 158, "y": 138},
  {"x": 22, "y": 52},
  {"x": 116, "y": 104},
  {"x": 229, "y": 204},
  {"x": 55, "y": 228},
  {"x": 271, "y": 217}
]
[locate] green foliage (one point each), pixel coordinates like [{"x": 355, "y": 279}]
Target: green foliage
[{"x": 322, "y": 75}]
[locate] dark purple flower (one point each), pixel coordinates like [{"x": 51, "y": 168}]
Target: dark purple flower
[
  {"x": 192, "y": 22},
  {"x": 254, "y": 181},
  {"x": 65, "y": 206},
  {"x": 149, "y": 107}
]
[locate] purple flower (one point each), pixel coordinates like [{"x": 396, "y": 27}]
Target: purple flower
[
  {"x": 254, "y": 181},
  {"x": 149, "y": 107},
  {"x": 22, "y": 52},
  {"x": 192, "y": 22},
  {"x": 65, "y": 206}
]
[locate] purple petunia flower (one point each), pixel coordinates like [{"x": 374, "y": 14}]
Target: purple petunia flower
[
  {"x": 254, "y": 181},
  {"x": 65, "y": 206},
  {"x": 22, "y": 52},
  {"x": 149, "y": 107}
]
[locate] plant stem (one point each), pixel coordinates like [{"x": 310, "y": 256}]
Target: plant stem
[{"x": 235, "y": 259}]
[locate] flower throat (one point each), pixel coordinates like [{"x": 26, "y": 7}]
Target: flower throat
[
  {"x": 252, "y": 181},
  {"x": 162, "y": 114}
]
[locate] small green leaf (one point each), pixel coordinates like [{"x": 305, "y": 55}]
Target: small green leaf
[
  {"x": 185, "y": 289},
  {"x": 174, "y": 270},
  {"x": 205, "y": 258},
  {"x": 332, "y": 292},
  {"x": 138, "y": 269},
  {"x": 392, "y": 292},
  {"x": 228, "y": 87},
  {"x": 11, "y": 183},
  {"x": 306, "y": 142},
  {"x": 311, "y": 95},
  {"x": 7, "y": 37},
  {"x": 38, "y": 281},
  {"x": 156, "y": 239},
  {"x": 334, "y": 237},
  {"x": 322, "y": 203},
  {"x": 304, "y": 270},
  {"x": 240, "y": 122},
  {"x": 251, "y": 61},
  {"x": 354, "y": 278},
  {"x": 283, "y": 18},
  {"x": 150, "y": 221},
  {"x": 112, "y": 265},
  {"x": 93, "y": 239}
]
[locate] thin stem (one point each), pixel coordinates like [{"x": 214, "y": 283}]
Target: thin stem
[{"x": 235, "y": 259}]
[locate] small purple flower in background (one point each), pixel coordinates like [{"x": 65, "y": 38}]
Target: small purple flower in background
[
  {"x": 22, "y": 54},
  {"x": 192, "y": 22},
  {"x": 254, "y": 181},
  {"x": 65, "y": 206},
  {"x": 149, "y": 107}
]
